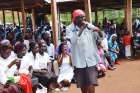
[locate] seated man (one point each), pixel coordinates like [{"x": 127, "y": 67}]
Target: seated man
[{"x": 8, "y": 63}]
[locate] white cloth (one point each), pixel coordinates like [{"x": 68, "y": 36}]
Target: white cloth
[
  {"x": 84, "y": 49},
  {"x": 128, "y": 50},
  {"x": 66, "y": 71},
  {"x": 42, "y": 90}
]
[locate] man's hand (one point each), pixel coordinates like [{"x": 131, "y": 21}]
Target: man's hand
[
  {"x": 15, "y": 62},
  {"x": 96, "y": 29}
]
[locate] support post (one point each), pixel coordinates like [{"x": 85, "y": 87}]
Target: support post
[
  {"x": 18, "y": 18},
  {"x": 4, "y": 21},
  {"x": 13, "y": 18},
  {"x": 33, "y": 20},
  {"x": 128, "y": 15},
  {"x": 96, "y": 16},
  {"x": 88, "y": 10},
  {"x": 54, "y": 22},
  {"x": 23, "y": 16}
]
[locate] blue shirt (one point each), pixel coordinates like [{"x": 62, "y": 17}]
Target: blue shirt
[{"x": 83, "y": 48}]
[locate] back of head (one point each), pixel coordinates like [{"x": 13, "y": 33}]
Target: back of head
[{"x": 31, "y": 45}]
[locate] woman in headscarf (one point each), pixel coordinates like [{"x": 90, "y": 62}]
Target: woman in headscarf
[
  {"x": 113, "y": 48},
  {"x": 104, "y": 43},
  {"x": 8, "y": 63}
]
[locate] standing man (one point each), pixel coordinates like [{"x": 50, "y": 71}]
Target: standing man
[{"x": 84, "y": 51}]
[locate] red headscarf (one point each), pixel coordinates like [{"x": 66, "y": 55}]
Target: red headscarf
[{"x": 77, "y": 12}]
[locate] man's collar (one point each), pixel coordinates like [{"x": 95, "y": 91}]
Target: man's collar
[{"x": 75, "y": 28}]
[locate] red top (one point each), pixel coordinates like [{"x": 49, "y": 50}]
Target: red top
[{"x": 127, "y": 40}]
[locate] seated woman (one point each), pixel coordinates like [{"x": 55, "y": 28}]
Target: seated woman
[
  {"x": 30, "y": 63},
  {"x": 66, "y": 70},
  {"x": 38, "y": 60},
  {"x": 113, "y": 49},
  {"x": 20, "y": 51},
  {"x": 8, "y": 63}
]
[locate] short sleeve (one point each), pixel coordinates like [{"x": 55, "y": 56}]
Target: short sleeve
[{"x": 91, "y": 26}]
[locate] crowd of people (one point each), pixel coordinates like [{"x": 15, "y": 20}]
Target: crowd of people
[{"x": 33, "y": 53}]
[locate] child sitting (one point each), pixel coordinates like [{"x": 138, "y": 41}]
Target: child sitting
[
  {"x": 101, "y": 64},
  {"x": 127, "y": 43}
]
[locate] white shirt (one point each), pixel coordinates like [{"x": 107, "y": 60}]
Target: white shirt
[
  {"x": 84, "y": 49},
  {"x": 51, "y": 50},
  {"x": 25, "y": 64},
  {"x": 43, "y": 60},
  {"x": 5, "y": 62},
  {"x": 4, "y": 70},
  {"x": 3, "y": 76},
  {"x": 39, "y": 62},
  {"x": 29, "y": 60}
]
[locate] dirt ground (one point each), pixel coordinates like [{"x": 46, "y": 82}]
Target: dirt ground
[{"x": 125, "y": 79}]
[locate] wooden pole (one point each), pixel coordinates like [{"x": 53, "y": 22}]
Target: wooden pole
[
  {"x": 96, "y": 16},
  {"x": 18, "y": 18},
  {"x": 54, "y": 22},
  {"x": 128, "y": 15},
  {"x": 139, "y": 12},
  {"x": 1, "y": 18},
  {"x": 4, "y": 21},
  {"x": 13, "y": 17},
  {"x": 33, "y": 20},
  {"x": 88, "y": 10},
  {"x": 59, "y": 20},
  {"x": 23, "y": 16}
]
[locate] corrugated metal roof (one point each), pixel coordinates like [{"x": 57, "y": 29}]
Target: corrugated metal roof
[{"x": 49, "y": 1}]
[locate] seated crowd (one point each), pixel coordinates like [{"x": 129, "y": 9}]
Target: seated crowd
[{"x": 33, "y": 54}]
